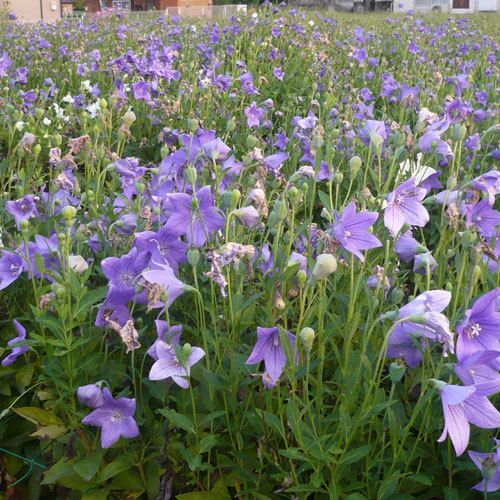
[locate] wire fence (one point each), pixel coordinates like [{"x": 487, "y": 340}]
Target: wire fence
[{"x": 184, "y": 11}]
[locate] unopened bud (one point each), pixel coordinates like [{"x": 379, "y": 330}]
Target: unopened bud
[
  {"x": 191, "y": 175},
  {"x": 68, "y": 212},
  {"x": 301, "y": 278},
  {"x": 326, "y": 264},
  {"x": 307, "y": 336},
  {"x": 355, "y": 164},
  {"x": 192, "y": 125},
  {"x": 140, "y": 187},
  {"x": 193, "y": 256}
]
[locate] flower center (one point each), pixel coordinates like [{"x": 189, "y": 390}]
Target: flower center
[
  {"x": 472, "y": 330},
  {"x": 400, "y": 198},
  {"x": 127, "y": 278},
  {"x": 117, "y": 416}
]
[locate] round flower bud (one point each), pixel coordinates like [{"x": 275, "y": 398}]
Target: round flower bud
[
  {"x": 307, "y": 336},
  {"x": 396, "y": 372},
  {"x": 37, "y": 149},
  {"x": 164, "y": 152},
  {"x": 191, "y": 175},
  {"x": 60, "y": 292},
  {"x": 252, "y": 142},
  {"x": 103, "y": 104},
  {"x": 164, "y": 297},
  {"x": 68, "y": 212},
  {"x": 186, "y": 350},
  {"x": 282, "y": 210},
  {"x": 301, "y": 278},
  {"x": 90, "y": 395},
  {"x": 459, "y": 132},
  {"x": 326, "y": 264},
  {"x": 235, "y": 197},
  {"x": 355, "y": 164},
  {"x": 397, "y": 295},
  {"x": 39, "y": 113},
  {"x": 193, "y": 256},
  {"x": 24, "y": 225},
  {"x": 451, "y": 183},
  {"x": 140, "y": 187},
  {"x": 192, "y": 125},
  {"x": 476, "y": 273},
  {"x": 230, "y": 126},
  {"x": 489, "y": 467}
]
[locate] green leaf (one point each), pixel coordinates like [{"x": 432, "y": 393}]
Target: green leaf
[
  {"x": 207, "y": 443},
  {"x": 355, "y": 496},
  {"x": 178, "y": 420},
  {"x": 355, "y": 455},
  {"x": 50, "y": 432},
  {"x": 59, "y": 470},
  {"x": 87, "y": 467},
  {"x": 115, "y": 467},
  {"x": 421, "y": 478},
  {"x": 193, "y": 461},
  {"x": 129, "y": 480},
  {"x": 90, "y": 298},
  {"x": 293, "y": 454},
  {"x": 24, "y": 376},
  {"x": 96, "y": 495},
  {"x": 38, "y": 416}
]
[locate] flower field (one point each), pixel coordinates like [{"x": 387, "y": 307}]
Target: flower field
[{"x": 253, "y": 258}]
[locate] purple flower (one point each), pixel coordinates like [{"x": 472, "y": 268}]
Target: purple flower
[
  {"x": 90, "y": 395},
  {"x": 278, "y": 73},
  {"x": 254, "y": 115},
  {"x": 480, "y": 370},
  {"x": 351, "y": 230},
  {"x": 462, "y": 406},
  {"x": 248, "y": 215},
  {"x": 494, "y": 460},
  {"x": 480, "y": 329},
  {"x": 281, "y": 141},
  {"x": 483, "y": 217},
  {"x": 168, "y": 365},
  {"x": 403, "y": 206},
  {"x": 115, "y": 417},
  {"x": 22, "y": 209},
  {"x": 166, "y": 333},
  {"x": 114, "y": 308},
  {"x": 407, "y": 247},
  {"x": 372, "y": 128},
  {"x": 424, "y": 262},
  {"x": 197, "y": 218},
  {"x": 488, "y": 183},
  {"x": 5, "y": 64},
  {"x": 16, "y": 351},
  {"x": 123, "y": 271},
  {"x": 407, "y": 339},
  {"x": 270, "y": 350},
  {"x": 164, "y": 276},
  {"x": 216, "y": 149},
  {"x": 141, "y": 90},
  {"x": 164, "y": 247},
  {"x": 11, "y": 267}
]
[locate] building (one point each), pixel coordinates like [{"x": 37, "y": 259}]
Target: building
[
  {"x": 67, "y": 7},
  {"x": 198, "y": 7},
  {"x": 34, "y": 10}
]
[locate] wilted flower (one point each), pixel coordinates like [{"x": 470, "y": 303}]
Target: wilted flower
[{"x": 16, "y": 351}]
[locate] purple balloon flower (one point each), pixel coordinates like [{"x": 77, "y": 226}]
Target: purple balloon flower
[
  {"x": 115, "y": 417},
  {"x": 123, "y": 271},
  {"x": 484, "y": 218},
  {"x": 254, "y": 115},
  {"x": 351, "y": 230},
  {"x": 270, "y": 350},
  {"x": 461, "y": 407},
  {"x": 16, "y": 351},
  {"x": 90, "y": 395},
  {"x": 478, "y": 459},
  {"x": 480, "y": 329},
  {"x": 403, "y": 206},
  {"x": 141, "y": 91},
  {"x": 196, "y": 218},
  {"x": 11, "y": 267},
  {"x": 168, "y": 365},
  {"x": 22, "y": 209}
]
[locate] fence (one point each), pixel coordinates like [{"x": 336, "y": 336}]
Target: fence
[{"x": 184, "y": 11}]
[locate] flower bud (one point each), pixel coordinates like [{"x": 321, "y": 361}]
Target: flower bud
[
  {"x": 301, "y": 278},
  {"x": 235, "y": 197},
  {"x": 397, "y": 295},
  {"x": 24, "y": 225},
  {"x": 476, "y": 273},
  {"x": 282, "y": 210},
  {"x": 39, "y": 113},
  {"x": 338, "y": 177},
  {"x": 193, "y": 256},
  {"x": 355, "y": 164},
  {"x": 307, "y": 336},
  {"x": 459, "y": 132},
  {"x": 186, "y": 350},
  {"x": 279, "y": 303},
  {"x": 68, "y": 212},
  {"x": 140, "y": 187},
  {"x": 191, "y": 175},
  {"x": 489, "y": 467},
  {"x": 37, "y": 149},
  {"x": 326, "y": 264},
  {"x": 396, "y": 372},
  {"x": 103, "y": 104},
  {"x": 252, "y": 142},
  {"x": 230, "y": 126},
  {"x": 90, "y": 195},
  {"x": 164, "y": 297},
  {"x": 90, "y": 395},
  {"x": 192, "y": 125},
  {"x": 77, "y": 263},
  {"x": 468, "y": 238},
  {"x": 451, "y": 183},
  {"x": 164, "y": 152}
]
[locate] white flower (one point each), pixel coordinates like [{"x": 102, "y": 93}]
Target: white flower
[
  {"x": 19, "y": 125},
  {"x": 68, "y": 99},
  {"x": 416, "y": 169},
  {"x": 47, "y": 122},
  {"x": 77, "y": 263},
  {"x": 85, "y": 85},
  {"x": 311, "y": 23},
  {"x": 255, "y": 15},
  {"x": 326, "y": 264},
  {"x": 94, "y": 110}
]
